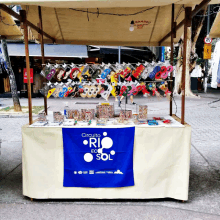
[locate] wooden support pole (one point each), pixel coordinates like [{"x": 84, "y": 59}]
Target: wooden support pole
[
  {"x": 171, "y": 60},
  {"x": 188, "y": 20},
  {"x": 41, "y": 37},
  {"x": 24, "y": 21}
]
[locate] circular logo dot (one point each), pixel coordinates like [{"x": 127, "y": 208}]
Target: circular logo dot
[
  {"x": 112, "y": 152},
  {"x": 107, "y": 143},
  {"x": 75, "y": 172},
  {"x": 100, "y": 150},
  {"x": 105, "y": 133},
  {"x": 88, "y": 157},
  {"x": 85, "y": 142}
]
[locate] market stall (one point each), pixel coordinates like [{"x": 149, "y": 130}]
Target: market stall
[
  {"x": 160, "y": 165},
  {"x": 151, "y": 154}
]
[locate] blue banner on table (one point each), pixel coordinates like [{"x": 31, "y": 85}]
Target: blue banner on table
[{"x": 98, "y": 157}]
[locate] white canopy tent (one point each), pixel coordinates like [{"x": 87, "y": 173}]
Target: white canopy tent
[{"x": 90, "y": 22}]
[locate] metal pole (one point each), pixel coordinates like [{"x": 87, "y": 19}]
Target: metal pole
[
  {"x": 24, "y": 20},
  {"x": 207, "y": 61},
  {"x": 187, "y": 24},
  {"x": 42, "y": 52},
  {"x": 119, "y": 54},
  {"x": 171, "y": 60},
  {"x": 119, "y": 61}
]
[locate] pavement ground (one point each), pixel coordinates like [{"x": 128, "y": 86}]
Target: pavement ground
[{"x": 203, "y": 114}]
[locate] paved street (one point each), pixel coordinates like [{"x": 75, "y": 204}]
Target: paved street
[{"x": 203, "y": 114}]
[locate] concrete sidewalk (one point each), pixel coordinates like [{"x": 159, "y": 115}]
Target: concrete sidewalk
[{"x": 204, "y": 189}]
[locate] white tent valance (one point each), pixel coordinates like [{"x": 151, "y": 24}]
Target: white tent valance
[{"x": 103, "y": 3}]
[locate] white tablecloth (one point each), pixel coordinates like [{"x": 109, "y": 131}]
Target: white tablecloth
[{"x": 161, "y": 165}]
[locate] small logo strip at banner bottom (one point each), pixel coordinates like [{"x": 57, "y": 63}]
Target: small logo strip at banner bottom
[{"x": 98, "y": 157}]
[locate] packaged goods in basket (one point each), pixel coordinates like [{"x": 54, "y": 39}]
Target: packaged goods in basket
[
  {"x": 127, "y": 114},
  {"x": 105, "y": 111},
  {"x": 101, "y": 121},
  {"x": 135, "y": 118},
  {"x": 89, "y": 116},
  {"x": 121, "y": 118},
  {"x": 73, "y": 114},
  {"x": 142, "y": 112},
  {"x": 58, "y": 117},
  {"x": 42, "y": 117},
  {"x": 152, "y": 122},
  {"x": 83, "y": 113}
]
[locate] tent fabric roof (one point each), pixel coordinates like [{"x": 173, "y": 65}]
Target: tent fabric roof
[
  {"x": 103, "y": 3},
  {"x": 73, "y": 27},
  {"x": 8, "y": 27},
  {"x": 215, "y": 30},
  {"x": 68, "y": 26}
]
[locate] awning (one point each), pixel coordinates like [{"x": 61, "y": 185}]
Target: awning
[
  {"x": 8, "y": 27},
  {"x": 71, "y": 22},
  {"x": 75, "y": 27},
  {"x": 215, "y": 30},
  {"x": 79, "y": 51},
  {"x": 103, "y": 3}
]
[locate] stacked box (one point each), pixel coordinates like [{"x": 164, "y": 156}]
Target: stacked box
[
  {"x": 73, "y": 114},
  {"x": 58, "y": 117},
  {"x": 42, "y": 117},
  {"x": 101, "y": 121},
  {"x": 83, "y": 113},
  {"x": 105, "y": 111},
  {"x": 127, "y": 114},
  {"x": 142, "y": 112},
  {"x": 121, "y": 118},
  {"x": 89, "y": 116}
]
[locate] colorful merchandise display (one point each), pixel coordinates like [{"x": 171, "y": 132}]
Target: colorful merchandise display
[
  {"x": 73, "y": 114},
  {"x": 58, "y": 117},
  {"x": 103, "y": 80},
  {"x": 103, "y": 114},
  {"x": 142, "y": 112},
  {"x": 87, "y": 114},
  {"x": 105, "y": 111},
  {"x": 126, "y": 113},
  {"x": 42, "y": 117}
]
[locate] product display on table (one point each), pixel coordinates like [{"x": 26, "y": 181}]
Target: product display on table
[
  {"x": 103, "y": 80},
  {"x": 102, "y": 115},
  {"x": 42, "y": 117},
  {"x": 58, "y": 117},
  {"x": 142, "y": 112},
  {"x": 90, "y": 114},
  {"x": 152, "y": 122},
  {"x": 127, "y": 114},
  {"x": 73, "y": 114},
  {"x": 105, "y": 111},
  {"x": 101, "y": 121}
]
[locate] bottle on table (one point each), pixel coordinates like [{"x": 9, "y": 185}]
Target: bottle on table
[{"x": 66, "y": 108}]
